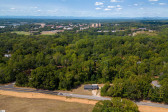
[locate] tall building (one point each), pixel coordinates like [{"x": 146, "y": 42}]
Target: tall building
[
  {"x": 99, "y": 24},
  {"x": 95, "y": 25}
]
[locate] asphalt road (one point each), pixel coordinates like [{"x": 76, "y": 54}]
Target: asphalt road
[{"x": 10, "y": 87}]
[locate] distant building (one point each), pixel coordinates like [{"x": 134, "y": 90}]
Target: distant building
[
  {"x": 142, "y": 28},
  {"x": 100, "y": 25},
  {"x": 99, "y": 31},
  {"x": 68, "y": 28},
  {"x": 2, "y": 26},
  {"x": 95, "y": 25},
  {"x": 15, "y": 24},
  {"x": 84, "y": 28},
  {"x": 91, "y": 87},
  {"x": 7, "y": 55},
  {"x": 43, "y": 25}
]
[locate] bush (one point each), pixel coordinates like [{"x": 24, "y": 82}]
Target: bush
[{"x": 116, "y": 105}]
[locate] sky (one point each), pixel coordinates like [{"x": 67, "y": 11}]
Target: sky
[{"x": 85, "y": 8}]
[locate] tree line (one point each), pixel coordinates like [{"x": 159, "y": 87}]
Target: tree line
[{"x": 64, "y": 61}]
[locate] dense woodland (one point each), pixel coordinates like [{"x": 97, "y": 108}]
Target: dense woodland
[{"x": 64, "y": 61}]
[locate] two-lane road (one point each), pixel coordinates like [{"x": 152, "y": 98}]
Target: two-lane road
[{"x": 10, "y": 87}]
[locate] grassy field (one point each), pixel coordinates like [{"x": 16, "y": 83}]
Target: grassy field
[
  {"x": 22, "y": 32},
  {"x": 15, "y": 104}
]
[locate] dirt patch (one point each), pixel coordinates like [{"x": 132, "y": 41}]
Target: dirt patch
[
  {"x": 151, "y": 109},
  {"x": 36, "y": 96},
  {"x": 96, "y": 93},
  {"x": 15, "y": 104},
  {"x": 46, "y": 96}
]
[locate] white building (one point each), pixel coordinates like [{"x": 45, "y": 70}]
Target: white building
[
  {"x": 2, "y": 26},
  {"x": 7, "y": 55}
]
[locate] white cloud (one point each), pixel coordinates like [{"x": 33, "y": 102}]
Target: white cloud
[
  {"x": 12, "y": 8},
  {"x": 98, "y": 8},
  {"x": 38, "y": 10},
  {"x": 153, "y": 0},
  {"x": 111, "y": 7},
  {"x": 99, "y": 3},
  {"x": 118, "y": 5},
  {"x": 116, "y": 1},
  {"x": 107, "y": 9},
  {"x": 162, "y": 3},
  {"x": 119, "y": 8},
  {"x": 135, "y": 4},
  {"x": 141, "y": 8}
]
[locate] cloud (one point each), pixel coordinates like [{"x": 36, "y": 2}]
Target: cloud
[
  {"x": 107, "y": 9},
  {"x": 135, "y": 4},
  {"x": 119, "y": 8},
  {"x": 111, "y": 7},
  {"x": 162, "y": 3},
  {"x": 153, "y": 0},
  {"x": 12, "y": 8},
  {"x": 99, "y": 3},
  {"x": 118, "y": 5},
  {"x": 116, "y": 1},
  {"x": 98, "y": 8}
]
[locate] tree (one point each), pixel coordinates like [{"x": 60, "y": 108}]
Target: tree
[
  {"x": 116, "y": 105},
  {"x": 22, "y": 79},
  {"x": 104, "y": 89},
  {"x": 44, "y": 78}
]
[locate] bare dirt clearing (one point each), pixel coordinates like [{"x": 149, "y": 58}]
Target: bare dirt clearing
[
  {"x": 37, "y": 102},
  {"x": 15, "y": 104}
]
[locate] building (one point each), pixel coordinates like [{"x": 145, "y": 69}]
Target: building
[
  {"x": 91, "y": 87},
  {"x": 142, "y": 28},
  {"x": 7, "y": 55},
  {"x": 43, "y": 25},
  {"x": 95, "y": 25},
  {"x": 2, "y": 26},
  {"x": 100, "y": 25}
]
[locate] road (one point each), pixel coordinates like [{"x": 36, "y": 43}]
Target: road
[{"x": 10, "y": 87}]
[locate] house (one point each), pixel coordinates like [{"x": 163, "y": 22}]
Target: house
[
  {"x": 95, "y": 25},
  {"x": 7, "y": 55},
  {"x": 91, "y": 87},
  {"x": 142, "y": 28}
]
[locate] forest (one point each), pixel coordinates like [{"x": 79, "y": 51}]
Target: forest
[{"x": 127, "y": 64}]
